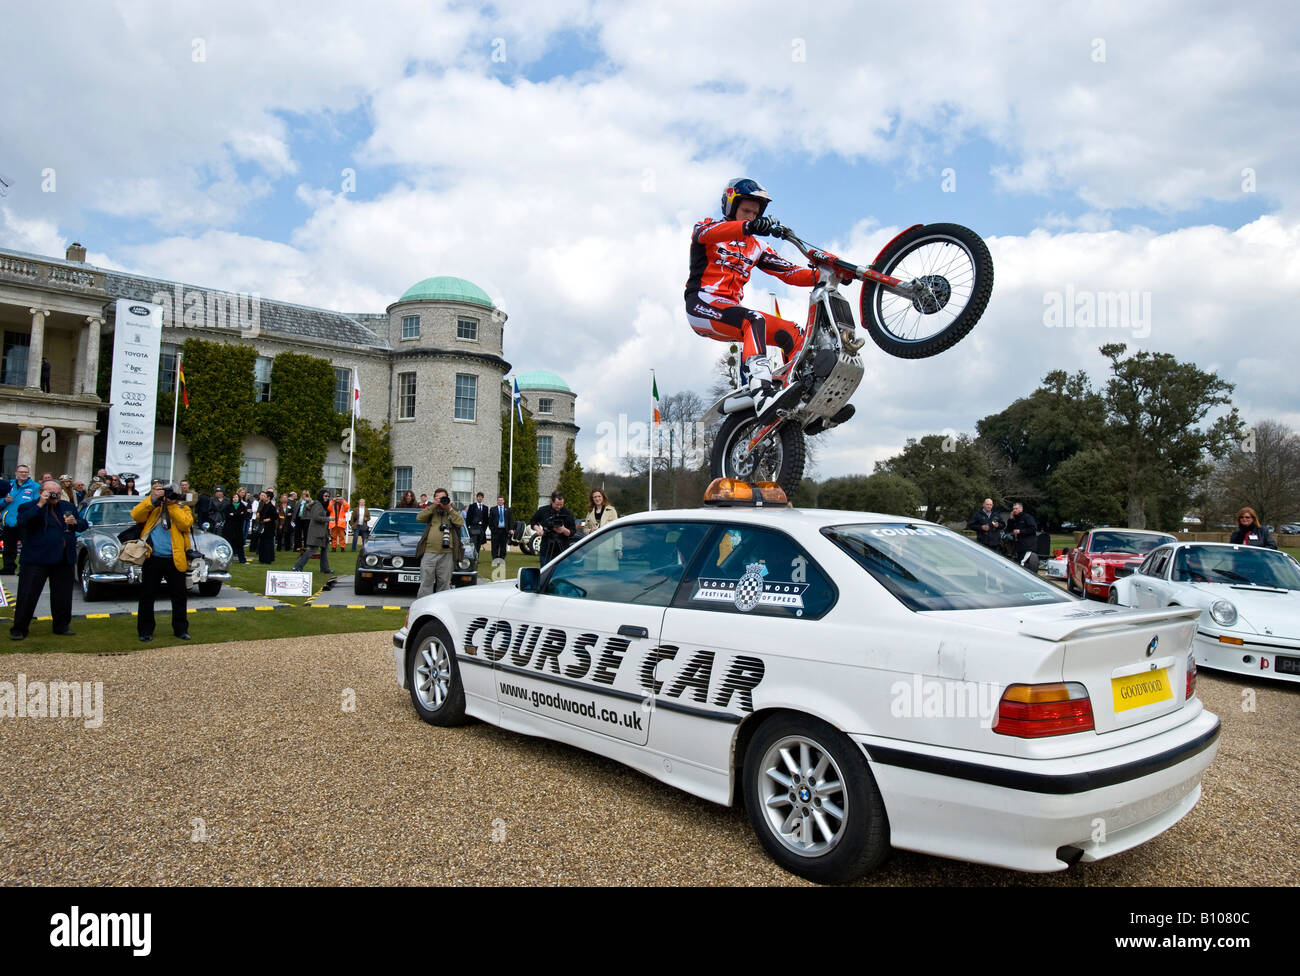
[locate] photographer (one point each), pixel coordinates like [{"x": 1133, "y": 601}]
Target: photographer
[
  {"x": 556, "y": 524},
  {"x": 49, "y": 527},
  {"x": 440, "y": 546},
  {"x": 165, "y": 526},
  {"x": 1024, "y": 532}
]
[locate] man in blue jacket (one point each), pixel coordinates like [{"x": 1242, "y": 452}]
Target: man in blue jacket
[
  {"x": 49, "y": 526},
  {"x": 23, "y": 489}
]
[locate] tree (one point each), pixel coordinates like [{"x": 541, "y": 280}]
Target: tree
[
  {"x": 219, "y": 378},
  {"x": 523, "y": 492},
  {"x": 571, "y": 484},
  {"x": 372, "y": 464},
  {"x": 1030, "y": 438},
  {"x": 890, "y": 494},
  {"x": 300, "y": 418},
  {"x": 1088, "y": 488},
  {"x": 1155, "y": 408},
  {"x": 1262, "y": 472},
  {"x": 950, "y": 473}
]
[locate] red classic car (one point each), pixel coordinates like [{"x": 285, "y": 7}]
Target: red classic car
[{"x": 1104, "y": 554}]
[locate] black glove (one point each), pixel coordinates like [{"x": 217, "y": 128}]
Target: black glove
[{"x": 762, "y": 226}]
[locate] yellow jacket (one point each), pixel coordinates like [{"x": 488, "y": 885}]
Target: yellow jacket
[{"x": 181, "y": 518}]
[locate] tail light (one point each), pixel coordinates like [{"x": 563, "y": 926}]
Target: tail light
[
  {"x": 1034, "y": 711},
  {"x": 1191, "y": 676}
]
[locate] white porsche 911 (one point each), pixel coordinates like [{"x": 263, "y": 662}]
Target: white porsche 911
[
  {"x": 1249, "y": 600},
  {"x": 856, "y": 681}
]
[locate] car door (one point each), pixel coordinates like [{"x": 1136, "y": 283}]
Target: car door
[
  {"x": 1079, "y": 561},
  {"x": 570, "y": 654},
  {"x": 1145, "y": 580}
]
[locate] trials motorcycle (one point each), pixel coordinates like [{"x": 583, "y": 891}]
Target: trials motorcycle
[{"x": 924, "y": 292}]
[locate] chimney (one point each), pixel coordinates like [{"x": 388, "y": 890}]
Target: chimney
[{"x": 76, "y": 253}]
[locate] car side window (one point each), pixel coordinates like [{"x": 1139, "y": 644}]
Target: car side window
[
  {"x": 761, "y": 571},
  {"x": 641, "y": 563},
  {"x": 1159, "y": 560}
]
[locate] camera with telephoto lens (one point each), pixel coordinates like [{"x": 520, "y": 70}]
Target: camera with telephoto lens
[
  {"x": 172, "y": 494},
  {"x": 446, "y": 535}
]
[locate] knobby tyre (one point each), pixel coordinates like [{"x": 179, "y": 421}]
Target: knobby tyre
[
  {"x": 954, "y": 265},
  {"x": 780, "y": 458}
]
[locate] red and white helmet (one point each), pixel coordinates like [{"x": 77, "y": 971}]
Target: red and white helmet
[{"x": 743, "y": 188}]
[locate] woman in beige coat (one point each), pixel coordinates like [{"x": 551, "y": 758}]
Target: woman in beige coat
[{"x": 602, "y": 513}]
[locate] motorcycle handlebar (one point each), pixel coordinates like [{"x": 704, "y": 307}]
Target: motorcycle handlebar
[{"x": 806, "y": 249}]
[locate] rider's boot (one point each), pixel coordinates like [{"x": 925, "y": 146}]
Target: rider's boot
[
  {"x": 850, "y": 341},
  {"x": 767, "y": 395}
]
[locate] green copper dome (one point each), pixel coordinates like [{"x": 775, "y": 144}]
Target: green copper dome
[
  {"x": 542, "y": 379},
  {"x": 447, "y": 289}
]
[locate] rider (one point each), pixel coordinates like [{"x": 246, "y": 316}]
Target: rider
[{"x": 723, "y": 253}]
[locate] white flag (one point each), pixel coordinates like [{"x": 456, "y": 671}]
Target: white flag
[{"x": 356, "y": 395}]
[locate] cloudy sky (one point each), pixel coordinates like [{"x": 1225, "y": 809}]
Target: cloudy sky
[{"x": 558, "y": 154}]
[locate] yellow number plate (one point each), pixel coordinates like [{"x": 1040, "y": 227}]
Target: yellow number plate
[{"x": 1136, "y": 690}]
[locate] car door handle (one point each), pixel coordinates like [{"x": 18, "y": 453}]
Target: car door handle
[{"x": 627, "y": 630}]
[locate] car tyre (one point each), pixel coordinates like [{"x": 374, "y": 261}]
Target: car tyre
[
  {"x": 1113, "y": 597},
  {"x": 434, "y": 676},
  {"x": 90, "y": 590},
  {"x": 813, "y": 802},
  {"x": 1069, "y": 585},
  {"x": 209, "y": 587}
]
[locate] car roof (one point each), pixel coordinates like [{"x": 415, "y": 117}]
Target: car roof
[
  {"x": 1120, "y": 528},
  {"x": 810, "y": 519}
]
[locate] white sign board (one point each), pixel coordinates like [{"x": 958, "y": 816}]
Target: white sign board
[
  {"x": 288, "y": 584},
  {"x": 4, "y": 597},
  {"x": 137, "y": 336}
]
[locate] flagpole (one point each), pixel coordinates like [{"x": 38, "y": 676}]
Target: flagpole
[
  {"x": 176, "y": 400},
  {"x": 510, "y": 477},
  {"x": 652, "y": 446}
]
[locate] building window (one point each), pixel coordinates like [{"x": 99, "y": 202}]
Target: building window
[
  {"x": 467, "y": 329},
  {"x": 466, "y": 394},
  {"x": 15, "y": 358},
  {"x": 401, "y": 482},
  {"x": 405, "y": 396},
  {"x": 162, "y": 464},
  {"x": 262, "y": 379},
  {"x": 252, "y": 474},
  {"x": 342, "y": 389},
  {"x": 545, "y": 405},
  {"x": 544, "y": 451},
  {"x": 335, "y": 478},
  {"x": 462, "y": 486},
  {"x": 167, "y": 367},
  {"x": 410, "y": 326}
]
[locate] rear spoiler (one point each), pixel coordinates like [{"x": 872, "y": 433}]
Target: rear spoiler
[{"x": 1110, "y": 618}]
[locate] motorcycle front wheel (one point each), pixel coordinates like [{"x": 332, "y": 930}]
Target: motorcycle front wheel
[
  {"x": 953, "y": 271},
  {"x": 780, "y": 458}
]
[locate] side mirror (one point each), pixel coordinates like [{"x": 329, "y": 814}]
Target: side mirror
[{"x": 530, "y": 579}]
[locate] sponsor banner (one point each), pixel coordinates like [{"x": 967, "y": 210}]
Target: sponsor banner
[
  {"x": 288, "y": 584},
  {"x": 137, "y": 338}
]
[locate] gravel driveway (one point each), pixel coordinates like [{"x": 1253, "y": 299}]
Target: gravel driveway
[{"x": 242, "y": 764}]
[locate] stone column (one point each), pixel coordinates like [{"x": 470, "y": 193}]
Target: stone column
[
  {"x": 36, "y": 350},
  {"x": 79, "y": 367},
  {"x": 84, "y": 465},
  {"x": 27, "y": 434},
  {"x": 90, "y": 378}
]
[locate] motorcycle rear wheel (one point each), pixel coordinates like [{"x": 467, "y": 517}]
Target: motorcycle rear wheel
[
  {"x": 954, "y": 264},
  {"x": 780, "y": 458}
]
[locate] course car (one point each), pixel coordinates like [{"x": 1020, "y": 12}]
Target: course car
[
  {"x": 1249, "y": 600},
  {"x": 1105, "y": 555},
  {"x": 98, "y": 567},
  {"x": 387, "y": 558},
  {"x": 858, "y": 682}
]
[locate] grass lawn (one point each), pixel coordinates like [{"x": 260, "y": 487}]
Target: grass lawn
[{"x": 118, "y": 634}]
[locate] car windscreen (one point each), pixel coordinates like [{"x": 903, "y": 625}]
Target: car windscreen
[
  {"x": 398, "y": 521},
  {"x": 930, "y": 568},
  {"x": 1244, "y": 567},
  {"x": 110, "y": 513},
  {"x": 1128, "y": 543}
]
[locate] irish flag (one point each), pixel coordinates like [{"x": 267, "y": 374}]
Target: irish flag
[{"x": 654, "y": 397}]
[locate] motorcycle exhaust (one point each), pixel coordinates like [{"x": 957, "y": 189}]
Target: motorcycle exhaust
[{"x": 736, "y": 404}]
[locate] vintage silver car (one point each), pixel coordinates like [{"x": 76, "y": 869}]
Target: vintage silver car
[{"x": 98, "y": 547}]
